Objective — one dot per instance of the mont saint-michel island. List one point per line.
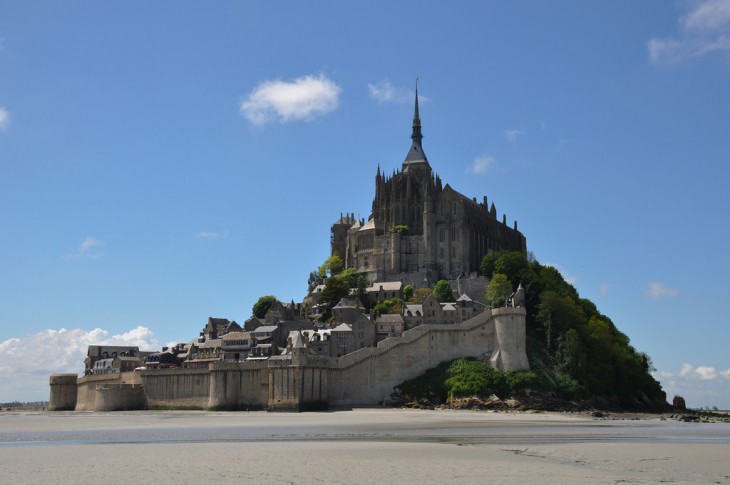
(434, 298)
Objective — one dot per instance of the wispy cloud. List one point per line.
(704, 30)
(25, 364)
(605, 289)
(4, 118)
(385, 92)
(211, 235)
(701, 385)
(512, 135)
(481, 164)
(659, 291)
(304, 98)
(88, 249)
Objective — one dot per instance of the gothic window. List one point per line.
(442, 234)
(441, 252)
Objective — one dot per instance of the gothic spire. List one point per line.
(415, 156)
(416, 135)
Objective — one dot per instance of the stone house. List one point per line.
(218, 327)
(116, 364)
(388, 325)
(204, 351)
(347, 310)
(97, 352)
(162, 360)
(265, 338)
(317, 340)
(433, 312)
(349, 337)
(384, 290)
(236, 346)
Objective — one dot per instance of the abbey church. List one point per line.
(419, 230)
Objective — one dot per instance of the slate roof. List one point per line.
(349, 303)
(390, 318)
(386, 286)
(237, 336)
(414, 310)
(210, 343)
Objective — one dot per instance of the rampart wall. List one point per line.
(110, 392)
(176, 388)
(367, 376)
(241, 386)
(301, 381)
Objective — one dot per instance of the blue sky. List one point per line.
(163, 162)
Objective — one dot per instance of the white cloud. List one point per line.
(88, 249)
(26, 363)
(4, 118)
(701, 386)
(481, 164)
(605, 289)
(211, 235)
(303, 98)
(512, 135)
(704, 30)
(701, 372)
(658, 291)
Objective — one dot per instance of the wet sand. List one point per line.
(360, 446)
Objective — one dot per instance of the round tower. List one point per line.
(63, 392)
(509, 330)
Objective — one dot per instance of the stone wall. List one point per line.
(367, 376)
(177, 388)
(86, 389)
(299, 383)
(239, 386)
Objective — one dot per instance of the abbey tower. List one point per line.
(420, 230)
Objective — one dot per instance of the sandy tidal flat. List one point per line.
(355, 447)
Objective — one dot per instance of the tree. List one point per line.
(350, 277)
(332, 266)
(511, 264)
(498, 290)
(488, 262)
(443, 292)
(262, 305)
(315, 279)
(420, 295)
(407, 292)
(334, 290)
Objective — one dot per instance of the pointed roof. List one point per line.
(415, 155)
